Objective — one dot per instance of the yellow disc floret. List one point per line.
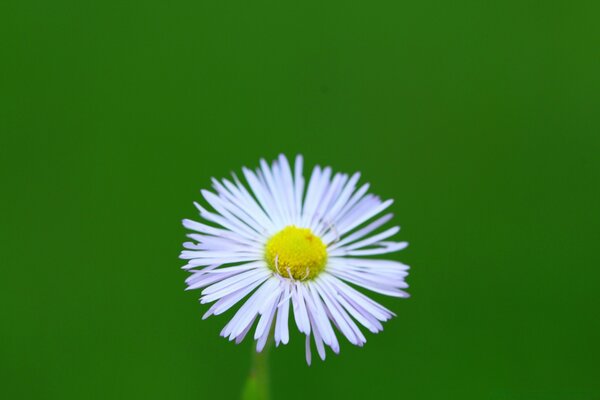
(296, 253)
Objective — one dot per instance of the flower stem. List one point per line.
(257, 384)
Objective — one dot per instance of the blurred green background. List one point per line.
(479, 118)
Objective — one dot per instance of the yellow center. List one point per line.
(296, 253)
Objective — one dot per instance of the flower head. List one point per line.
(276, 243)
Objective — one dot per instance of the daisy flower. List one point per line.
(275, 244)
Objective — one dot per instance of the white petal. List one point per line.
(207, 242)
(339, 316)
(371, 209)
(263, 196)
(355, 297)
(370, 284)
(318, 339)
(235, 280)
(264, 323)
(358, 313)
(228, 301)
(374, 264)
(311, 193)
(202, 279)
(286, 185)
(267, 174)
(199, 262)
(373, 240)
(233, 215)
(298, 188)
(300, 314)
(281, 324)
(350, 204)
(330, 194)
(238, 268)
(197, 254)
(229, 222)
(339, 202)
(362, 232)
(249, 202)
(246, 314)
(241, 336)
(203, 228)
(242, 204)
(307, 352)
(316, 309)
(386, 247)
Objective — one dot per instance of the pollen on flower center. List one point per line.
(296, 253)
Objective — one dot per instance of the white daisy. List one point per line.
(276, 243)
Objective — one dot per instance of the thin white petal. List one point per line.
(307, 351)
(316, 310)
(339, 316)
(370, 241)
(247, 312)
(281, 324)
(204, 279)
(298, 188)
(350, 204)
(264, 323)
(263, 196)
(318, 338)
(210, 230)
(358, 313)
(300, 314)
(229, 222)
(339, 202)
(240, 277)
(311, 193)
(364, 216)
(386, 247)
(377, 287)
(355, 297)
(241, 336)
(229, 211)
(250, 280)
(267, 175)
(330, 194)
(242, 205)
(228, 301)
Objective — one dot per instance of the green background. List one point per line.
(479, 119)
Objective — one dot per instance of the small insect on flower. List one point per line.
(275, 242)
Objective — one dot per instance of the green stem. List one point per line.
(257, 384)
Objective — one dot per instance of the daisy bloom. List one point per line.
(276, 242)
